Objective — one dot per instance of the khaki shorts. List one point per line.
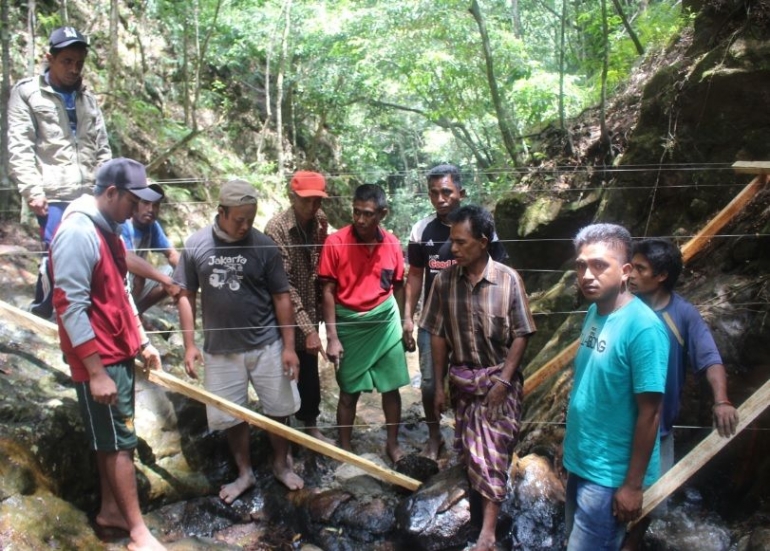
(228, 376)
(110, 428)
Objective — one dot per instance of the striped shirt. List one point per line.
(300, 250)
(478, 322)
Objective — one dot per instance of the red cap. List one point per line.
(308, 184)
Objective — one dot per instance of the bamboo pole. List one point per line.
(705, 450)
(168, 381)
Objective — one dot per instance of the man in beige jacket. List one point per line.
(57, 137)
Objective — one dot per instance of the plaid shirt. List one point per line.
(300, 251)
(478, 322)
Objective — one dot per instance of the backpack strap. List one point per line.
(671, 325)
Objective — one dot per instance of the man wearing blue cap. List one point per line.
(100, 334)
(56, 138)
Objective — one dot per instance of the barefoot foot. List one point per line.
(143, 540)
(395, 453)
(289, 478)
(232, 491)
(433, 448)
(318, 435)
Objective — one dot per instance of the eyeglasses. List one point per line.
(357, 213)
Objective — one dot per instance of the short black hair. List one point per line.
(439, 171)
(481, 221)
(664, 257)
(615, 236)
(371, 192)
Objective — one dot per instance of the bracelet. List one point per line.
(722, 403)
(144, 345)
(503, 382)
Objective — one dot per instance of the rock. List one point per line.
(682, 529)
(438, 515)
(759, 540)
(536, 504)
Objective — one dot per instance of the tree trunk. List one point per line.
(114, 60)
(505, 121)
(5, 89)
(200, 57)
(282, 64)
(604, 138)
(569, 147)
(31, 54)
(518, 28)
(185, 67)
(629, 29)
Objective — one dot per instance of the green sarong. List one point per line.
(374, 355)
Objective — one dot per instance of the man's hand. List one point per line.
(627, 503)
(103, 389)
(726, 419)
(151, 357)
(172, 289)
(290, 363)
(334, 351)
(494, 401)
(408, 336)
(39, 205)
(313, 345)
(191, 356)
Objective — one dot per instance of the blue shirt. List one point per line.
(697, 348)
(141, 240)
(621, 354)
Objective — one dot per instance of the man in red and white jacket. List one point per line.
(101, 334)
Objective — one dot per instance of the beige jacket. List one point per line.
(46, 160)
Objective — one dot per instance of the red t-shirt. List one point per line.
(364, 278)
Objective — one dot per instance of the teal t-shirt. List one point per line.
(620, 355)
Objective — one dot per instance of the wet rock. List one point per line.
(417, 466)
(536, 504)
(758, 540)
(438, 515)
(44, 521)
(682, 529)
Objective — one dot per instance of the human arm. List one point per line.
(22, 157)
(186, 307)
(140, 267)
(627, 501)
(334, 350)
(284, 312)
(411, 297)
(725, 415)
(172, 255)
(440, 354)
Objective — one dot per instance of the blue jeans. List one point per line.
(589, 521)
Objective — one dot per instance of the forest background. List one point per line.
(360, 90)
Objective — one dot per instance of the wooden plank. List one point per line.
(28, 321)
(705, 450)
(752, 167)
(554, 365)
(715, 225)
(168, 381)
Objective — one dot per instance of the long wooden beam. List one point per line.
(168, 381)
(689, 250)
(554, 365)
(705, 450)
(715, 225)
